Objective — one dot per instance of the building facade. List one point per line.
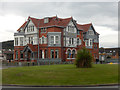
(109, 55)
(53, 39)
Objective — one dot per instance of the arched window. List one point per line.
(69, 53)
(73, 53)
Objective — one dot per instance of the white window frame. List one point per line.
(90, 42)
(54, 42)
(21, 41)
(57, 53)
(86, 42)
(16, 41)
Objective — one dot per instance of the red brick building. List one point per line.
(53, 39)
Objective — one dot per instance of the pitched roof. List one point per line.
(22, 26)
(53, 21)
(85, 27)
(33, 47)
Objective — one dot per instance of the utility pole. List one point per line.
(38, 44)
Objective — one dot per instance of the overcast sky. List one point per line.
(103, 15)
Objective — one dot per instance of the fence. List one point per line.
(33, 63)
(111, 60)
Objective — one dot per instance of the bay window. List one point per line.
(54, 39)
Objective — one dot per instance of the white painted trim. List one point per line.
(55, 39)
(75, 50)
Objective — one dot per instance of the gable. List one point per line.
(91, 28)
(29, 25)
(72, 26)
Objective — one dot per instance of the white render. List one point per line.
(26, 35)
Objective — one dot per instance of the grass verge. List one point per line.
(61, 75)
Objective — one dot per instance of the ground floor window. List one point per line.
(69, 53)
(16, 54)
(40, 53)
(21, 54)
(52, 53)
(73, 53)
(45, 53)
(32, 55)
(56, 53)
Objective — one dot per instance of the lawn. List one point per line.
(61, 75)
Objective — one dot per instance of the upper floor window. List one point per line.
(16, 41)
(54, 39)
(30, 40)
(91, 42)
(71, 41)
(46, 20)
(91, 32)
(30, 28)
(78, 41)
(71, 29)
(78, 32)
(43, 30)
(21, 41)
(43, 40)
(86, 43)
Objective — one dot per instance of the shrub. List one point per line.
(83, 59)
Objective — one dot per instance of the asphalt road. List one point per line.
(62, 87)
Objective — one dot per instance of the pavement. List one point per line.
(80, 86)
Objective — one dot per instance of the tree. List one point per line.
(83, 59)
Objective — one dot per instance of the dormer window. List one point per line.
(46, 20)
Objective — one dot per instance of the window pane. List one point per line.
(77, 41)
(57, 39)
(42, 40)
(56, 53)
(52, 53)
(21, 54)
(16, 54)
(69, 54)
(21, 41)
(52, 40)
(73, 54)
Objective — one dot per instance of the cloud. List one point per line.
(103, 15)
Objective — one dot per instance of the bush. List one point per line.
(83, 59)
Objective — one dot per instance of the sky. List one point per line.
(103, 16)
